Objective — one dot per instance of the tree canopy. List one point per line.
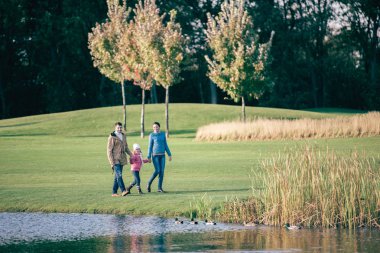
(324, 54)
(238, 61)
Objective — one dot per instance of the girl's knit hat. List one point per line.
(136, 146)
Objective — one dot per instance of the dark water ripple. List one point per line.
(27, 227)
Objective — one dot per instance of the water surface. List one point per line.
(40, 232)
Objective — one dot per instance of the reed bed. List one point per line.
(321, 189)
(235, 210)
(278, 129)
(314, 189)
(202, 208)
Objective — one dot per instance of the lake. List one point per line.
(56, 232)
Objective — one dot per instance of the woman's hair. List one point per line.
(156, 123)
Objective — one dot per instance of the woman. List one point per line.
(156, 152)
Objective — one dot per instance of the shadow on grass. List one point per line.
(335, 110)
(23, 135)
(207, 191)
(174, 134)
(185, 131)
(21, 124)
(89, 136)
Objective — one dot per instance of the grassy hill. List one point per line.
(57, 162)
(184, 119)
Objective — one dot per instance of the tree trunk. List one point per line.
(201, 92)
(199, 79)
(153, 94)
(101, 97)
(167, 111)
(213, 95)
(242, 109)
(373, 50)
(124, 107)
(3, 103)
(58, 99)
(314, 87)
(142, 113)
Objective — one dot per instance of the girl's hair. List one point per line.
(156, 123)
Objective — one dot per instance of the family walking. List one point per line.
(117, 150)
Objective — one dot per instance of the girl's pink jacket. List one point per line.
(137, 162)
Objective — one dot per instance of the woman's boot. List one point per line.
(139, 189)
(148, 187)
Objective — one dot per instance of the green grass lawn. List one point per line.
(57, 162)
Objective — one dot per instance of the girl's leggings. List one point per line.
(136, 181)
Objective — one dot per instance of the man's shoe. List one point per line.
(148, 188)
(161, 191)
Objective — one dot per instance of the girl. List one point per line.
(136, 163)
(156, 150)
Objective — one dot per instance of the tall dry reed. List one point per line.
(312, 188)
(274, 129)
(202, 208)
(235, 210)
(321, 189)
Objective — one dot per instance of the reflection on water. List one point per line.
(28, 227)
(23, 232)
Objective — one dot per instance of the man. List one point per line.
(116, 148)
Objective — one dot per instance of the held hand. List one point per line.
(113, 169)
(170, 158)
(149, 160)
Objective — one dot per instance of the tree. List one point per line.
(314, 17)
(238, 61)
(364, 24)
(193, 18)
(167, 59)
(142, 36)
(11, 38)
(103, 43)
